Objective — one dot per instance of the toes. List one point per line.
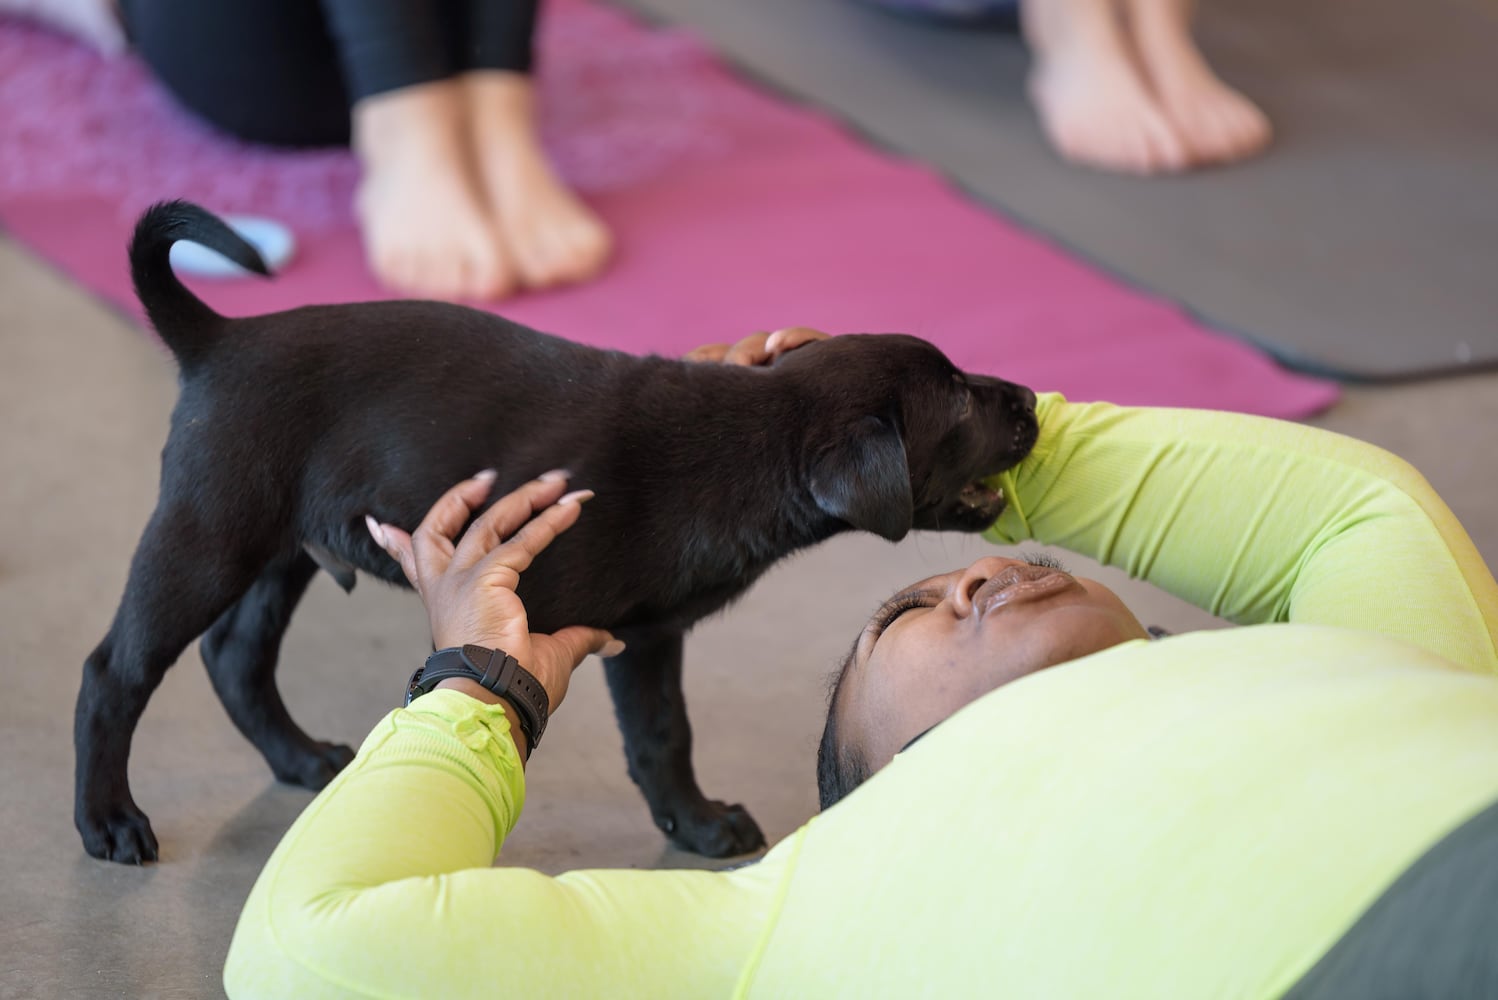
(389, 268)
(531, 254)
(564, 264)
(442, 273)
(1167, 151)
(493, 276)
(1253, 129)
(550, 257)
(1220, 125)
(431, 237)
(1107, 124)
(555, 239)
(590, 246)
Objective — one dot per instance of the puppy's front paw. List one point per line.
(714, 830)
(123, 835)
(315, 768)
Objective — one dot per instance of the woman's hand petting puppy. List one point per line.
(758, 348)
(468, 583)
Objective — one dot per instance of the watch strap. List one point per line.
(495, 670)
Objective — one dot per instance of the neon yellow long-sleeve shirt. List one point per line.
(1199, 816)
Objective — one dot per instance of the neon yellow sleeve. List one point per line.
(383, 888)
(1256, 520)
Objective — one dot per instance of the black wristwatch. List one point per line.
(494, 669)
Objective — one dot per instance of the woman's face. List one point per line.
(937, 645)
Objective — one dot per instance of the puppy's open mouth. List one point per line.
(981, 499)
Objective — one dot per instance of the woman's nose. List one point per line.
(970, 579)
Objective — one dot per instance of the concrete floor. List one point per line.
(84, 399)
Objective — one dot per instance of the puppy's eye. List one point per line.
(964, 397)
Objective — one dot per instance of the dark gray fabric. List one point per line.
(1432, 936)
(1364, 245)
(285, 72)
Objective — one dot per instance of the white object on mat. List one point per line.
(94, 22)
(274, 241)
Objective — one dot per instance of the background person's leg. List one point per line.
(263, 70)
(501, 34)
(985, 13)
(1094, 103)
(426, 229)
(384, 45)
(1217, 123)
(554, 238)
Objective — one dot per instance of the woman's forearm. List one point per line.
(1257, 520)
(358, 886)
(384, 887)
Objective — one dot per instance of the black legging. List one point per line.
(287, 72)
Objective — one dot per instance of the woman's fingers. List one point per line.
(397, 544)
(578, 642)
(790, 338)
(520, 549)
(436, 531)
(558, 655)
(706, 353)
(430, 551)
(432, 542)
(749, 351)
(758, 348)
(508, 515)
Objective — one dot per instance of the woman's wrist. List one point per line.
(478, 692)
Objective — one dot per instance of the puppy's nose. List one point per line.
(1024, 398)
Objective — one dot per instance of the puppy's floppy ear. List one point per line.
(864, 479)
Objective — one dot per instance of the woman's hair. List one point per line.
(839, 769)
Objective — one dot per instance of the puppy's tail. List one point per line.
(184, 322)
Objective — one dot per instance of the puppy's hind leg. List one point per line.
(181, 579)
(241, 652)
(645, 681)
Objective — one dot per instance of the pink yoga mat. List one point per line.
(733, 210)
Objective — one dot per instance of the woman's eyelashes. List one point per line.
(1043, 559)
(898, 605)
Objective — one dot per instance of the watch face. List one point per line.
(413, 686)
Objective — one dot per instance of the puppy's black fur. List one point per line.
(291, 427)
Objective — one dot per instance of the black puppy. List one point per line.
(291, 427)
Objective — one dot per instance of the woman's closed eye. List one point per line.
(896, 606)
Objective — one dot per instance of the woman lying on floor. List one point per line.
(1023, 794)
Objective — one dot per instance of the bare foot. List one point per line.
(555, 238)
(426, 230)
(1217, 123)
(1093, 103)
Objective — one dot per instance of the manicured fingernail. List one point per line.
(555, 476)
(487, 476)
(375, 531)
(576, 496)
(611, 648)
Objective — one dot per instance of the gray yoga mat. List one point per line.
(1364, 245)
